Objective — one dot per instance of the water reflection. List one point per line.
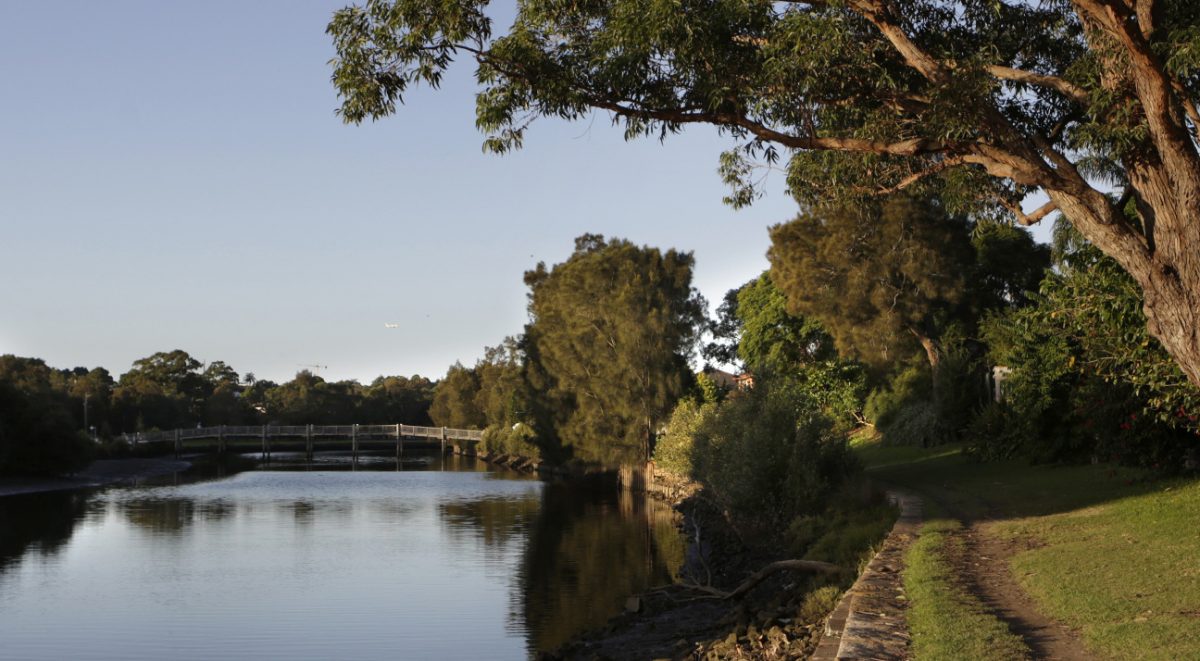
(589, 551)
(38, 524)
(325, 564)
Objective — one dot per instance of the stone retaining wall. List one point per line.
(869, 621)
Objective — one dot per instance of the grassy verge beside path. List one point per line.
(1110, 552)
(945, 621)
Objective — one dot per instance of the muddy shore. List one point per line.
(102, 472)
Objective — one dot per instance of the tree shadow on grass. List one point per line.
(960, 486)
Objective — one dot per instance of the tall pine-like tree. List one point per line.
(613, 327)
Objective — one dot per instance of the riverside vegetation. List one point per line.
(911, 135)
(778, 477)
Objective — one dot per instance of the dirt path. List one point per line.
(983, 566)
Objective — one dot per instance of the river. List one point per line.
(442, 559)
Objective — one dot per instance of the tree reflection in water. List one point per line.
(40, 522)
(588, 551)
(585, 552)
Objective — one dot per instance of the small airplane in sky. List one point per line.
(387, 325)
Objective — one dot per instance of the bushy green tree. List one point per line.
(454, 400)
(884, 280)
(768, 455)
(309, 399)
(86, 394)
(724, 331)
(397, 399)
(1009, 266)
(987, 102)
(165, 390)
(612, 327)
(676, 449)
(504, 394)
(772, 339)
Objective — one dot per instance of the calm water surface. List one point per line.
(440, 560)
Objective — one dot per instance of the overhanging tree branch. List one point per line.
(908, 147)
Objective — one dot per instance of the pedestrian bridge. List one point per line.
(268, 438)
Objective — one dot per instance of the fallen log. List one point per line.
(761, 575)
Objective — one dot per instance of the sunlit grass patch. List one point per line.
(945, 621)
(874, 454)
(1112, 552)
(1126, 574)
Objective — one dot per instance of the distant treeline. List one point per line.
(45, 411)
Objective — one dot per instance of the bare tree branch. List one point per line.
(915, 177)
(760, 575)
(1067, 89)
(1032, 218)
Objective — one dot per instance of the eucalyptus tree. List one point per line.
(613, 327)
(1087, 105)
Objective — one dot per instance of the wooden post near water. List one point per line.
(266, 445)
(178, 444)
(354, 442)
(308, 446)
(221, 439)
(443, 441)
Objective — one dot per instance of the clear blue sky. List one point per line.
(173, 176)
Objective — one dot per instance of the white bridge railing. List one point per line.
(353, 432)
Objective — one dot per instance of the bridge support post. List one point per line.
(266, 446)
(221, 439)
(354, 442)
(178, 445)
(308, 446)
(443, 441)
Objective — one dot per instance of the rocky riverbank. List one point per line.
(102, 472)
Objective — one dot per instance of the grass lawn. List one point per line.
(1115, 554)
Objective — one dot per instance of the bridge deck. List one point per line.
(309, 434)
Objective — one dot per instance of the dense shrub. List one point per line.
(38, 436)
(836, 386)
(910, 385)
(1087, 381)
(518, 439)
(910, 411)
(675, 451)
(766, 455)
(998, 432)
(963, 389)
(916, 425)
